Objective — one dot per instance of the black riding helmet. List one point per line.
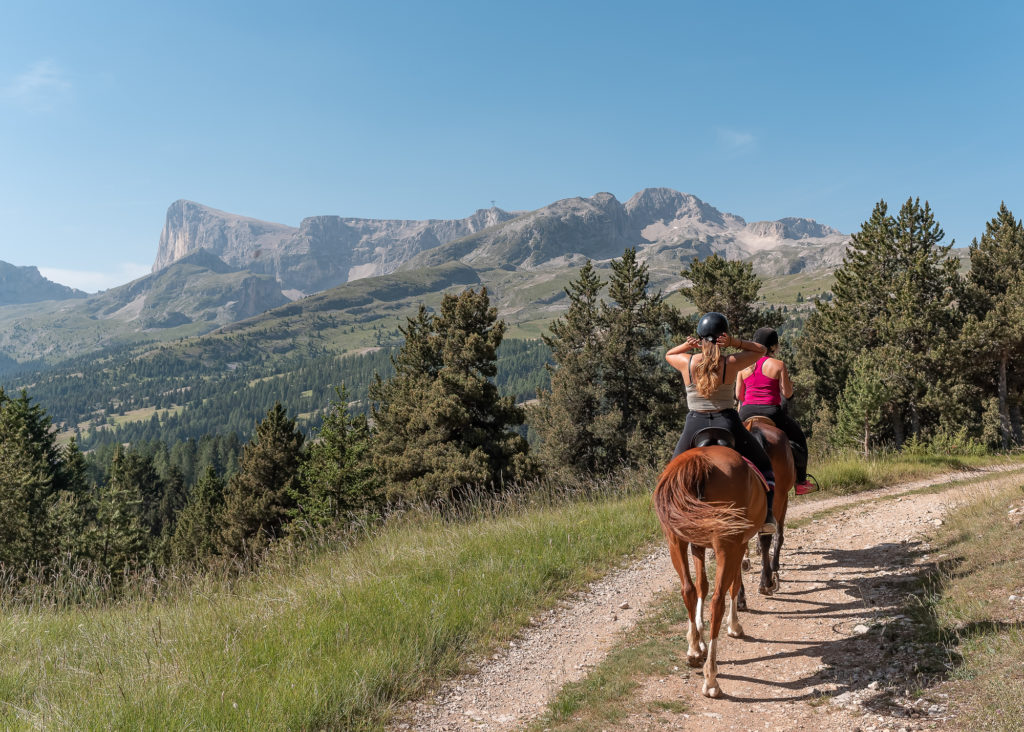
(767, 337)
(711, 326)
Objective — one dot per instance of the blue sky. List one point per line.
(111, 111)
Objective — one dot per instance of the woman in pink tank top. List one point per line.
(760, 389)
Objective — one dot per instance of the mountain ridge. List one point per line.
(21, 285)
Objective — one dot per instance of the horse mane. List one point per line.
(682, 513)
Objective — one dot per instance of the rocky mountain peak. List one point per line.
(666, 205)
(25, 284)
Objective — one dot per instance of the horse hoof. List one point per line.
(745, 564)
(741, 604)
(736, 632)
(767, 591)
(712, 690)
(694, 660)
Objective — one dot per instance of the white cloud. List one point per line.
(95, 281)
(735, 140)
(40, 88)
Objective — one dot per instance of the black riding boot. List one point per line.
(770, 526)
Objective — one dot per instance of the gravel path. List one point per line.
(842, 578)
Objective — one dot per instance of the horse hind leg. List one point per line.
(734, 628)
(745, 566)
(700, 576)
(728, 566)
(768, 586)
(695, 644)
(779, 537)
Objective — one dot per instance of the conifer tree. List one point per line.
(897, 287)
(995, 299)
(576, 425)
(729, 287)
(638, 383)
(441, 426)
(336, 477)
(861, 403)
(118, 537)
(196, 532)
(260, 496)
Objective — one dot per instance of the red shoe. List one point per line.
(802, 489)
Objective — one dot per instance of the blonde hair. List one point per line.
(706, 373)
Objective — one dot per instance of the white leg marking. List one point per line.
(711, 687)
(694, 643)
(700, 615)
(735, 630)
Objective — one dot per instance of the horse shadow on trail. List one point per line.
(904, 651)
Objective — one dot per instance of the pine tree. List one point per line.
(260, 496)
(336, 478)
(995, 298)
(33, 471)
(118, 536)
(862, 401)
(897, 287)
(441, 426)
(729, 287)
(577, 429)
(196, 532)
(639, 385)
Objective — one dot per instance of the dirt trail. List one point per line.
(832, 630)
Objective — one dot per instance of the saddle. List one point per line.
(721, 436)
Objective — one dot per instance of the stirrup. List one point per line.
(769, 527)
(810, 485)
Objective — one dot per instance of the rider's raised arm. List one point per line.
(784, 382)
(679, 356)
(750, 353)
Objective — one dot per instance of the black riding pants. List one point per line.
(728, 419)
(788, 425)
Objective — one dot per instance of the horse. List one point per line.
(709, 497)
(776, 444)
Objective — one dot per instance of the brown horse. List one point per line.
(776, 444)
(709, 497)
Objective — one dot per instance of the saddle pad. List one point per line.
(758, 473)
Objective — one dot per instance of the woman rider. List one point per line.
(760, 388)
(709, 377)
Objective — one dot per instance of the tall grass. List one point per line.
(331, 633)
(849, 472)
(332, 639)
(972, 609)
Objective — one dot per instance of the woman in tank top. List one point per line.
(709, 377)
(760, 389)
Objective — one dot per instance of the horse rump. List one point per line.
(679, 501)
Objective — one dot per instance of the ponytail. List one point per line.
(706, 373)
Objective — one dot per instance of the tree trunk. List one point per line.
(1005, 427)
(867, 436)
(915, 420)
(898, 432)
(1015, 423)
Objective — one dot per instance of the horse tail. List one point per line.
(685, 515)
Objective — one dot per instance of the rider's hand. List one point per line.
(724, 340)
(692, 342)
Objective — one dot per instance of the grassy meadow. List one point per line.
(973, 610)
(333, 634)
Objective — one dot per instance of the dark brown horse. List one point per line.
(776, 444)
(709, 497)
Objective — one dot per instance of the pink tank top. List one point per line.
(759, 388)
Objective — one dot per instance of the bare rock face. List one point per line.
(323, 252)
(20, 285)
(669, 228)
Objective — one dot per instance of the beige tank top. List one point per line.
(724, 397)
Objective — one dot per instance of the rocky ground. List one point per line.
(830, 651)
